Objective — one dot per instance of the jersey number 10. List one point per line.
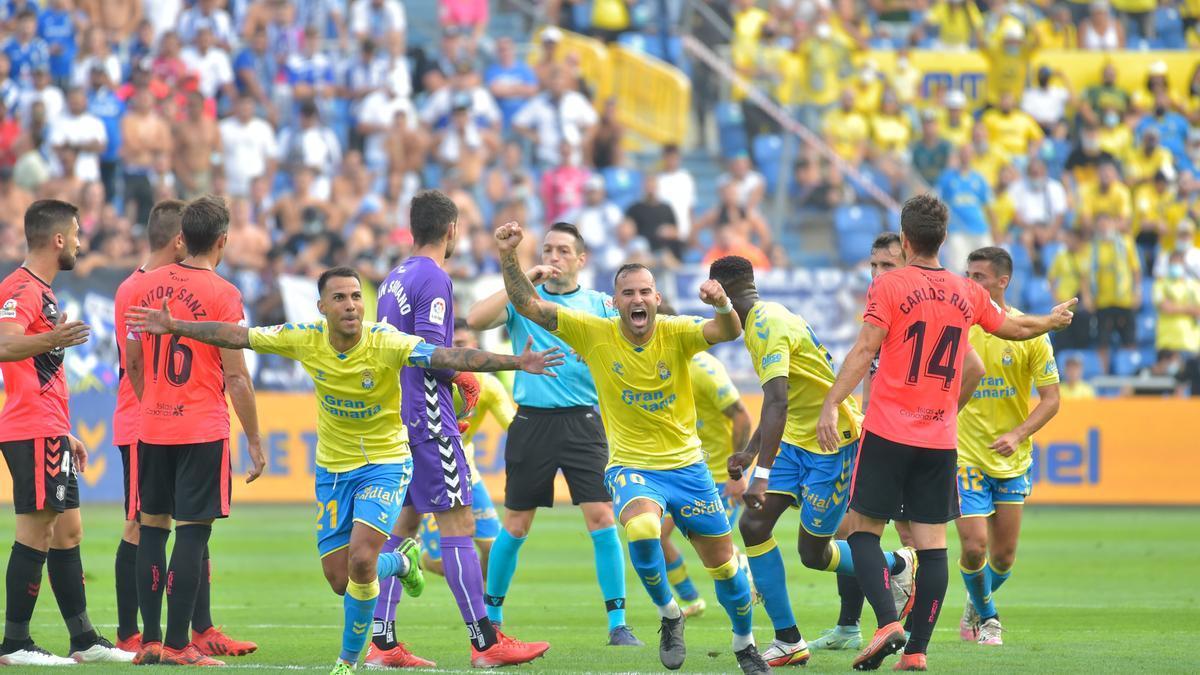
(942, 358)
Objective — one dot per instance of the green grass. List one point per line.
(1094, 590)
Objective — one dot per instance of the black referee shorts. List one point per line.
(894, 481)
(541, 441)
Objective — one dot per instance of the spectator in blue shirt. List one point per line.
(256, 70)
(104, 103)
(11, 9)
(10, 93)
(1172, 127)
(25, 49)
(967, 194)
(310, 73)
(512, 82)
(57, 27)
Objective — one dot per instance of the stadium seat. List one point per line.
(858, 218)
(1147, 325)
(1128, 362)
(1037, 297)
(624, 186)
(731, 130)
(1091, 361)
(767, 155)
(854, 246)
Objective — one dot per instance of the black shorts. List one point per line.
(903, 482)
(543, 440)
(43, 474)
(129, 469)
(1115, 321)
(191, 482)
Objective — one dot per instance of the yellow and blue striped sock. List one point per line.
(678, 576)
(733, 592)
(997, 577)
(841, 560)
(646, 556)
(980, 591)
(766, 564)
(358, 604)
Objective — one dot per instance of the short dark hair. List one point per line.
(430, 215)
(731, 269)
(45, 218)
(923, 221)
(885, 241)
(461, 324)
(626, 269)
(203, 221)
(164, 223)
(332, 272)
(568, 228)
(999, 258)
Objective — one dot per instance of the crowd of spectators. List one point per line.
(319, 119)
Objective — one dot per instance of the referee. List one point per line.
(556, 427)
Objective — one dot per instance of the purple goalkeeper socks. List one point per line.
(465, 578)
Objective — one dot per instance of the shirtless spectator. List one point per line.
(67, 186)
(248, 241)
(14, 200)
(117, 18)
(144, 136)
(197, 142)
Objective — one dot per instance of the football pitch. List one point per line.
(1094, 590)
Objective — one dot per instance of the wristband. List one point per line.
(762, 472)
(725, 308)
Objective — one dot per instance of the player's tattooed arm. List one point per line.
(159, 322)
(478, 361)
(517, 284)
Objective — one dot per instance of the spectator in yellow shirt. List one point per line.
(1008, 61)
(1083, 164)
(1115, 135)
(745, 47)
(953, 22)
(868, 89)
(1110, 198)
(847, 130)
(986, 159)
(1012, 131)
(1057, 31)
(1070, 277)
(1072, 386)
(891, 129)
(1157, 212)
(1147, 160)
(1117, 279)
(957, 126)
(1177, 299)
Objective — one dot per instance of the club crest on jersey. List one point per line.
(1007, 359)
(9, 310)
(368, 379)
(618, 368)
(663, 372)
(60, 493)
(437, 311)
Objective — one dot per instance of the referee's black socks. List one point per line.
(932, 576)
(873, 575)
(23, 581)
(187, 563)
(65, 569)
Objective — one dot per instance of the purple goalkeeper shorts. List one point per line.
(441, 478)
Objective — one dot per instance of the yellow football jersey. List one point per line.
(645, 392)
(493, 400)
(714, 392)
(1001, 402)
(358, 392)
(782, 344)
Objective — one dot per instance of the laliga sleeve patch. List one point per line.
(9, 309)
(437, 311)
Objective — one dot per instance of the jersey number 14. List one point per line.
(941, 360)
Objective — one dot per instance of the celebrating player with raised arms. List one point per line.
(640, 366)
(556, 428)
(995, 450)
(917, 318)
(363, 460)
(43, 456)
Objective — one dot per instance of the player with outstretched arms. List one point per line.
(918, 318)
(43, 456)
(363, 461)
(995, 450)
(640, 363)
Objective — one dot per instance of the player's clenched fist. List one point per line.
(711, 293)
(508, 237)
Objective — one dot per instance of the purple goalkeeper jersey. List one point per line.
(418, 298)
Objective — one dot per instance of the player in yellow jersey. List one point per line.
(640, 365)
(995, 449)
(493, 399)
(363, 460)
(722, 423)
(796, 371)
